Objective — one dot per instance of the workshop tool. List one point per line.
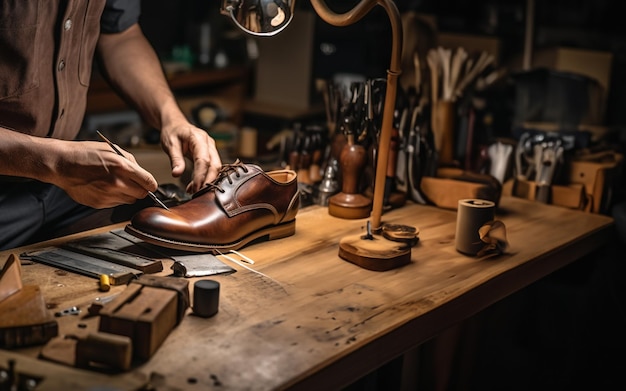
(25, 319)
(523, 147)
(304, 161)
(315, 170)
(416, 155)
(548, 156)
(113, 248)
(198, 265)
(185, 264)
(83, 264)
(68, 311)
(98, 304)
(349, 203)
(393, 197)
(329, 185)
(401, 175)
(499, 156)
(151, 194)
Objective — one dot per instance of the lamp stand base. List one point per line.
(374, 253)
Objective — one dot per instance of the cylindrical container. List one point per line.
(206, 298)
(471, 215)
(248, 142)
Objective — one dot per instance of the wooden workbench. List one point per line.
(314, 321)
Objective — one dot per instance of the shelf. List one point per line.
(101, 98)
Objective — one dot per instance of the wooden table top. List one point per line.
(309, 319)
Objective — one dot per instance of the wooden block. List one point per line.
(97, 351)
(61, 350)
(570, 196)
(10, 277)
(143, 313)
(178, 285)
(25, 320)
(108, 350)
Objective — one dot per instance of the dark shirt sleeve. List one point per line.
(118, 15)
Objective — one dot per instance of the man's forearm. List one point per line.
(132, 66)
(26, 156)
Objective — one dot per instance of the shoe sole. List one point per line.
(267, 233)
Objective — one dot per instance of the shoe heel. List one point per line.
(283, 230)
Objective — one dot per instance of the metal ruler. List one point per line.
(112, 248)
(82, 264)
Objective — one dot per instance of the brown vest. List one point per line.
(46, 53)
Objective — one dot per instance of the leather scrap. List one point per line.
(493, 234)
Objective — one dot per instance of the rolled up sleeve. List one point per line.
(118, 15)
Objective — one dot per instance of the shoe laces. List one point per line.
(224, 174)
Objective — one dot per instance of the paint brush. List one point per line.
(151, 194)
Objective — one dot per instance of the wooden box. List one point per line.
(599, 176)
(571, 196)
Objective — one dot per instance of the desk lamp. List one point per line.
(266, 18)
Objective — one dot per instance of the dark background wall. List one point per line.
(364, 47)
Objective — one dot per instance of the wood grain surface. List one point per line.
(309, 320)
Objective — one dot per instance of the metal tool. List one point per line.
(83, 264)
(99, 303)
(414, 165)
(185, 264)
(151, 194)
(499, 155)
(68, 311)
(520, 151)
(547, 157)
(198, 265)
(112, 248)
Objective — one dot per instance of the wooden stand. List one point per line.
(349, 203)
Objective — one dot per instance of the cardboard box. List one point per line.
(591, 63)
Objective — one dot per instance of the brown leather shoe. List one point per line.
(242, 204)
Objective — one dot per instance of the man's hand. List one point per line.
(185, 140)
(94, 175)
(131, 65)
(89, 171)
